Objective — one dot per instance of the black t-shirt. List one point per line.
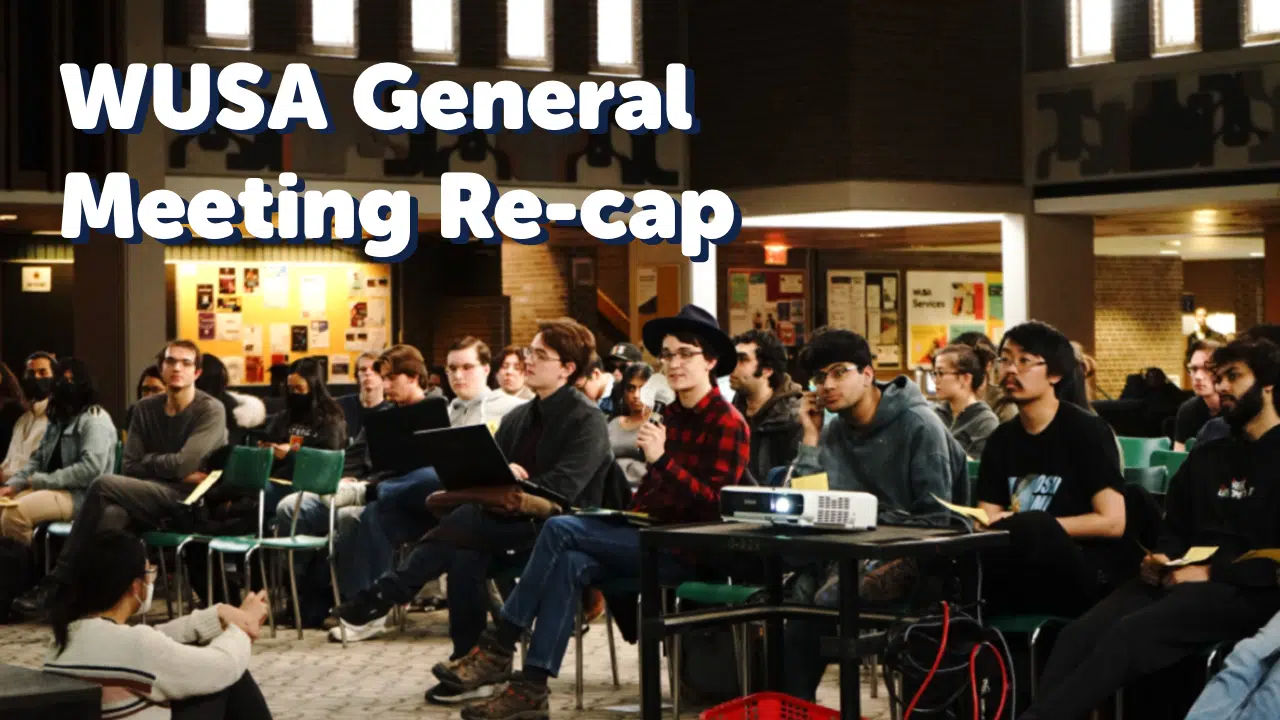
(1192, 415)
(1058, 471)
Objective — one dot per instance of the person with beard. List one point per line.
(1218, 426)
(769, 400)
(37, 383)
(311, 419)
(1052, 479)
(1226, 495)
(78, 447)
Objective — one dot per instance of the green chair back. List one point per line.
(1137, 451)
(1170, 460)
(1190, 443)
(1154, 479)
(248, 468)
(972, 467)
(317, 471)
(119, 463)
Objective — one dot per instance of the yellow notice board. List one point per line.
(943, 305)
(253, 315)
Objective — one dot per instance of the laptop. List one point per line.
(469, 457)
(389, 434)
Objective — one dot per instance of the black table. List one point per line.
(773, 543)
(26, 693)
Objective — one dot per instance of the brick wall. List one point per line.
(1232, 286)
(458, 317)
(536, 279)
(1138, 321)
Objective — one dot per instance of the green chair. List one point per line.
(314, 471)
(1155, 479)
(972, 477)
(1137, 451)
(249, 469)
(1171, 460)
(119, 458)
(1190, 443)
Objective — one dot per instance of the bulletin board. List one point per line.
(255, 315)
(943, 305)
(773, 300)
(867, 302)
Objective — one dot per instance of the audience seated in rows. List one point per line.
(78, 448)
(510, 375)
(960, 372)
(244, 412)
(311, 418)
(619, 357)
(28, 431)
(150, 383)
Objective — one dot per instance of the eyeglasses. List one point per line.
(684, 354)
(534, 355)
(176, 362)
(1020, 365)
(835, 372)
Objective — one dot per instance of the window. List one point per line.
(433, 30)
(1175, 26)
(527, 34)
(617, 37)
(1091, 39)
(1262, 21)
(332, 27)
(221, 23)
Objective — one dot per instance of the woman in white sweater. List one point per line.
(193, 667)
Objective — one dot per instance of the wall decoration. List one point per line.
(769, 299)
(866, 302)
(37, 278)
(944, 305)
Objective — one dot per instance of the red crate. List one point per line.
(769, 706)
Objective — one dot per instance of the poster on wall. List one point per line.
(312, 297)
(941, 306)
(229, 303)
(866, 302)
(769, 300)
(378, 287)
(339, 368)
(275, 286)
(228, 325)
(377, 312)
(359, 314)
(252, 335)
(250, 280)
(299, 338)
(227, 281)
(356, 341)
(204, 296)
(37, 278)
(235, 369)
(355, 283)
(279, 337)
(319, 339)
(208, 326)
(253, 370)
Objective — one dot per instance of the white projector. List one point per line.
(831, 509)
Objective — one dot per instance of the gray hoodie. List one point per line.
(904, 458)
(972, 428)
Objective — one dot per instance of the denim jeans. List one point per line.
(465, 546)
(1248, 687)
(313, 519)
(398, 515)
(572, 553)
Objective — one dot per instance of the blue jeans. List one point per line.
(572, 553)
(1248, 687)
(313, 519)
(398, 515)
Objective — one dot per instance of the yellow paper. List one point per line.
(281, 481)
(974, 513)
(493, 427)
(203, 488)
(810, 482)
(1193, 556)
(8, 502)
(1272, 554)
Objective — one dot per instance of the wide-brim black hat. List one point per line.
(694, 319)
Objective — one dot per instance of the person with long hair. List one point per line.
(196, 666)
(78, 447)
(11, 403)
(625, 429)
(37, 384)
(150, 384)
(311, 418)
(989, 390)
(510, 373)
(959, 370)
(244, 412)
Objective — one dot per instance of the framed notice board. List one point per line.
(867, 302)
(943, 305)
(773, 299)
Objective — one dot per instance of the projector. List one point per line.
(830, 509)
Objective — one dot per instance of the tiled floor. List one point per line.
(385, 678)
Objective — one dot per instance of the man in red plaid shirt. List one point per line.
(701, 445)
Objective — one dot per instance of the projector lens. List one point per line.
(782, 505)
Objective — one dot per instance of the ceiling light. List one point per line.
(1257, 254)
(1204, 216)
(48, 232)
(1175, 243)
(867, 219)
(4, 217)
(1168, 252)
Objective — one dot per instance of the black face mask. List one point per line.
(299, 405)
(1246, 408)
(36, 389)
(67, 398)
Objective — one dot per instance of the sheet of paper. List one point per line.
(975, 513)
(8, 502)
(202, 488)
(1194, 555)
(377, 312)
(889, 296)
(757, 294)
(791, 284)
(377, 339)
(312, 296)
(280, 337)
(810, 482)
(252, 335)
(1272, 554)
(339, 368)
(319, 335)
(235, 369)
(228, 326)
(275, 286)
(356, 340)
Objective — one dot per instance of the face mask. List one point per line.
(299, 404)
(144, 604)
(36, 389)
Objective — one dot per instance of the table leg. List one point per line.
(650, 636)
(773, 626)
(850, 664)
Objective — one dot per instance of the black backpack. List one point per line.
(17, 574)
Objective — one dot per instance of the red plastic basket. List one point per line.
(769, 706)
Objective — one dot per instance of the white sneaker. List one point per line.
(359, 633)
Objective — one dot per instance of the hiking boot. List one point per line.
(450, 694)
(35, 603)
(486, 664)
(520, 701)
(889, 582)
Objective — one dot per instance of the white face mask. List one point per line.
(144, 604)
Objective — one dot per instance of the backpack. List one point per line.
(17, 574)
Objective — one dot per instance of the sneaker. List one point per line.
(35, 603)
(520, 701)
(359, 633)
(365, 607)
(449, 694)
(428, 604)
(486, 664)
